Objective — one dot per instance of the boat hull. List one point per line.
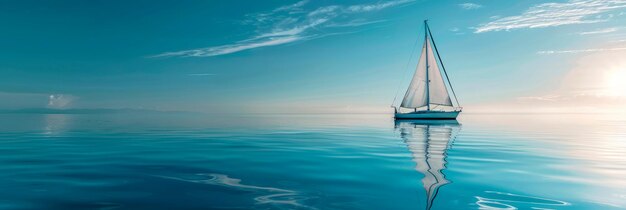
(436, 115)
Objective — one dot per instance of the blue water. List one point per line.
(191, 161)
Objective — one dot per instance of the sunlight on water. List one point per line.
(189, 161)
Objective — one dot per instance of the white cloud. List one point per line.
(324, 10)
(292, 31)
(555, 14)
(292, 23)
(60, 101)
(353, 23)
(581, 50)
(294, 6)
(600, 31)
(377, 6)
(470, 6)
(231, 48)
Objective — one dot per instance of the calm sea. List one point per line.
(195, 161)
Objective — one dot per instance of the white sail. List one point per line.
(438, 92)
(416, 95)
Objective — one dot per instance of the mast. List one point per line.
(427, 77)
(443, 67)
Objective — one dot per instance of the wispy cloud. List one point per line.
(354, 23)
(230, 48)
(291, 23)
(291, 7)
(470, 6)
(376, 7)
(556, 14)
(581, 50)
(600, 31)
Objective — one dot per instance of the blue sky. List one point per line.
(306, 56)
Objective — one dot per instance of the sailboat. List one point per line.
(429, 141)
(427, 96)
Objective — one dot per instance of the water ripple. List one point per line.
(502, 200)
(271, 195)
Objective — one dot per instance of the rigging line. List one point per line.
(443, 67)
(405, 71)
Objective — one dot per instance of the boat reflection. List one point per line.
(428, 142)
(55, 124)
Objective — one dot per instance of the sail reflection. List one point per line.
(428, 142)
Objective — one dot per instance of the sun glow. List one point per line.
(616, 83)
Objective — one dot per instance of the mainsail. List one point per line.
(420, 93)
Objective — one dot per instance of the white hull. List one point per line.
(428, 115)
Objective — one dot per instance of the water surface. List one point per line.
(191, 161)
